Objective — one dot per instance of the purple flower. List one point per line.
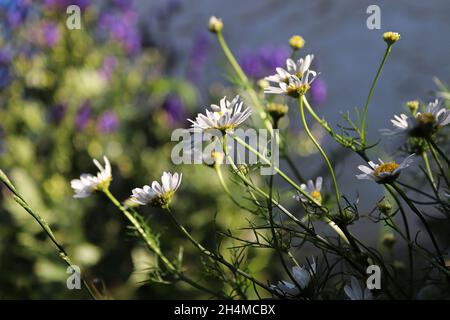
(122, 29)
(108, 67)
(57, 113)
(264, 61)
(108, 122)
(83, 116)
(199, 53)
(318, 91)
(5, 59)
(174, 108)
(50, 34)
(15, 11)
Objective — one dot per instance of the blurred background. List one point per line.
(133, 73)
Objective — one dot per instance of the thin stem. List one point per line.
(272, 229)
(408, 236)
(438, 162)
(428, 170)
(276, 203)
(280, 172)
(213, 255)
(330, 167)
(369, 97)
(44, 225)
(441, 153)
(423, 220)
(243, 78)
(154, 247)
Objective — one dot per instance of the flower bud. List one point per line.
(391, 37)
(296, 42)
(243, 169)
(277, 110)
(384, 206)
(262, 84)
(215, 25)
(413, 106)
(388, 240)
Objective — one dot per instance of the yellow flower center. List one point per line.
(316, 195)
(294, 90)
(426, 118)
(385, 167)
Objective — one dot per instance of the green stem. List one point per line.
(441, 153)
(213, 255)
(330, 167)
(243, 78)
(44, 225)
(438, 162)
(276, 203)
(277, 246)
(280, 172)
(369, 97)
(422, 219)
(154, 247)
(429, 172)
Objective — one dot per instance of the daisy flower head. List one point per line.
(294, 80)
(355, 292)
(224, 117)
(384, 172)
(302, 275)
(423, 124)
(401, 124)
(89, 183)
(391, 37)
(157, 195)
(294, 86)
(311, 188)
(434, 117)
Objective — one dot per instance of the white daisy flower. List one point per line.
(401, 124)
(158, 194)
(312, 189)
(292, 69)
(355, 292)
(384, 172)
(225, 117)
(294, 87)
(295, 80)
(88, 183)
(302, 276)
(435, 113)
(423, 124)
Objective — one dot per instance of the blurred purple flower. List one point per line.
(50, 34)
(108, 122)
(83, 116)
(122, 28)
(264, 61)
(5, 59)
(108, 67)
(198, 55)
(318, 91)
(174, 108)
(57, 113)
(15, 11)
(63, 4)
